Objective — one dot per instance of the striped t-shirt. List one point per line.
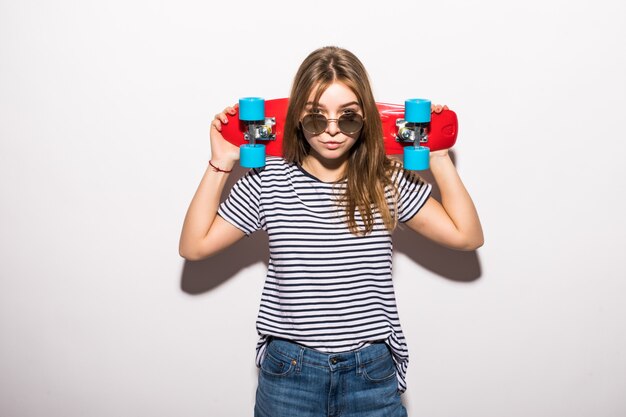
(326, 288)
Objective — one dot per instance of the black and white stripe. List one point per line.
(326, 288)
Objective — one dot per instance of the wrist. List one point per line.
(439, 162)
(442, 153)
(439, 157)
(221, 165)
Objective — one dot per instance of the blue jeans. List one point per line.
(296, 381)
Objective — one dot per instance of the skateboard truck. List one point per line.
(414, 129)
(252, 113)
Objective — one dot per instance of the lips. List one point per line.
(332, 145)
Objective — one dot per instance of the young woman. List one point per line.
(330, 337)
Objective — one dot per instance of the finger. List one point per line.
(445, 107)
(216, 124)
(222, 116)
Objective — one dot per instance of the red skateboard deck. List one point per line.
(442, 131)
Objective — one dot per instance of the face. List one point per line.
(333, 144)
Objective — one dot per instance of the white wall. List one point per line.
(104, 115)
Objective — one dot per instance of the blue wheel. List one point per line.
(252, 156)
(251, 109)
(417, 110)
(416, 159)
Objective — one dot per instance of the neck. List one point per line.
(324, 170)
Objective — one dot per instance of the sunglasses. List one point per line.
(316, 123)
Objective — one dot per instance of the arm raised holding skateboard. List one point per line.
(454, 222)
(204, 232)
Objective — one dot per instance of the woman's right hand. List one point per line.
(223, 153)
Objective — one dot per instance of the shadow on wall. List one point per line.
(461, 266)
(451, 264)
(202, 276)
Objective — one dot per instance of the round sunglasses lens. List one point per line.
(350, 123)
(314, 123)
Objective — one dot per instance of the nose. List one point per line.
(332, 127)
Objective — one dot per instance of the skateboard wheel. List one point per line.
(251, 109)
(416, 159)
(252, 156)
(417, 110)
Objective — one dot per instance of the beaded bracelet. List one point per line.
(216, 169)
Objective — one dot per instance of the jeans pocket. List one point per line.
(277, 365)
(379, 370)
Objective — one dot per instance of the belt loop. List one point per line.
(300, 356)
(357, 355)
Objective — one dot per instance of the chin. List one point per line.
(333, 155)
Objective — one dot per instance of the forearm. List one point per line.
(457, 202)
(202, 210)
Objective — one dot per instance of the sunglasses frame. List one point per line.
(337, 120)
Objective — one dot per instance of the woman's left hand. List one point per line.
(438, 108)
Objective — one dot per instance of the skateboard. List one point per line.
(410, 129)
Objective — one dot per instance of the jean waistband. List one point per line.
(303, 355)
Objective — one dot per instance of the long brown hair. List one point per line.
(368, 170)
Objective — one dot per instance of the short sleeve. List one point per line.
(413, 192)
(242, 208)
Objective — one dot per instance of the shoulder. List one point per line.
(275, 169)
(274, 166)
(402, 178)
(398, 174)
(275, 163)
